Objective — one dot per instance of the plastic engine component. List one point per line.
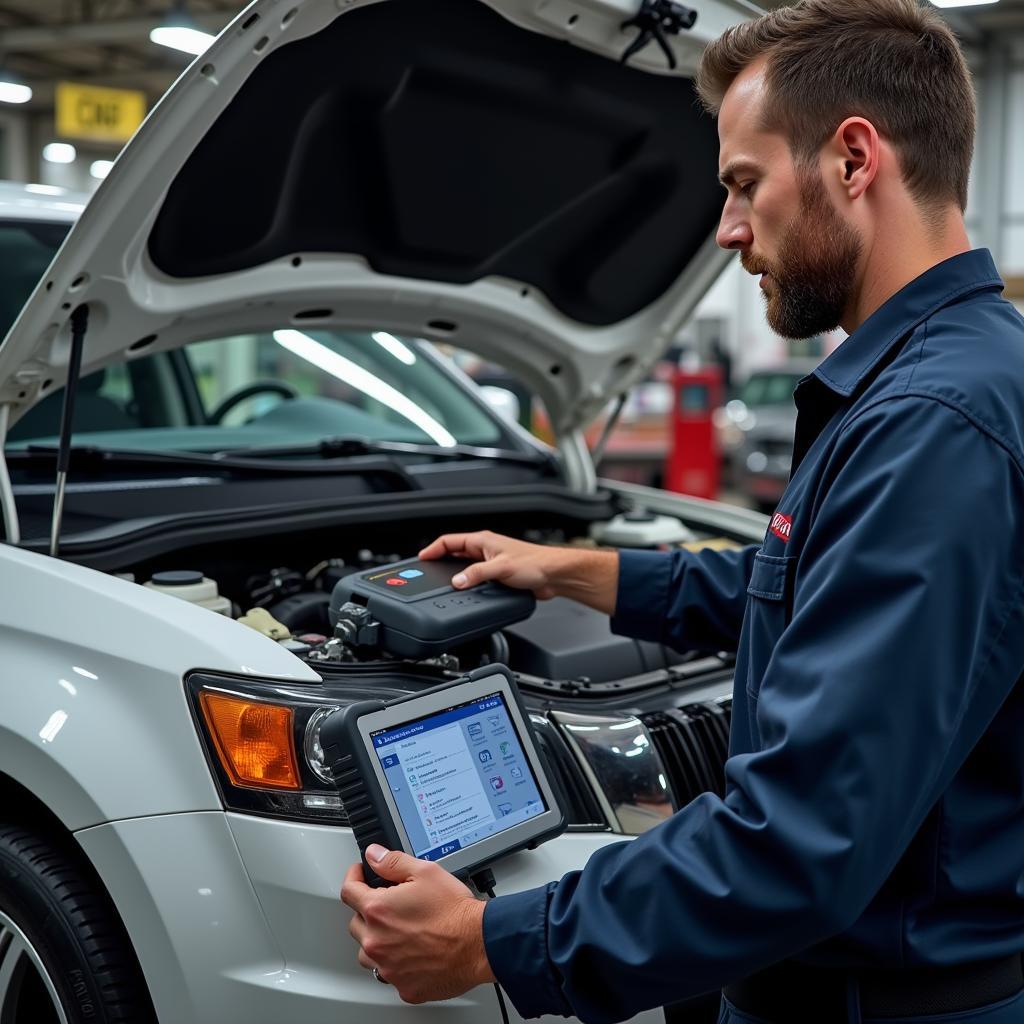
(566, 640)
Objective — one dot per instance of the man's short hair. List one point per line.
(891, 61)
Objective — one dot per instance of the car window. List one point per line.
(770, 388)
(26, 249)
(370, 382)
(274, 388)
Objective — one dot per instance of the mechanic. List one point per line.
(867, 861)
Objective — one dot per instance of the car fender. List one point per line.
(95, 720)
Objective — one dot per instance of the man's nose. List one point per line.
(734, 228)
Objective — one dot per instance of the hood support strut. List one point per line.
(79, 325)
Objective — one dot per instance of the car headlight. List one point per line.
(624, 768)
(261, 740)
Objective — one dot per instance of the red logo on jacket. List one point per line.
(782, 526)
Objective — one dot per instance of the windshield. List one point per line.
(26, 249)
(770, 388)
(279, 388)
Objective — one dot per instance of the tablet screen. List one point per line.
(458, 775)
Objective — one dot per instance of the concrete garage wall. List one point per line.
(996, 212)
(1013, 241)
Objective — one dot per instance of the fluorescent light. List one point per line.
(361, 379)
(398, 349)
(59, 153)
(962, 3)
(14, 92)
(179, 37)
(100, 168)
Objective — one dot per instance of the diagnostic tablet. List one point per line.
(450, 774)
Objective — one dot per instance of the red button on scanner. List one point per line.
(394, 581)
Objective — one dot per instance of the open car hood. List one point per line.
(486, 174)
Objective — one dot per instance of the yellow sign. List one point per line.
(97, 114)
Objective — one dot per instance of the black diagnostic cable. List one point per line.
(484, 882)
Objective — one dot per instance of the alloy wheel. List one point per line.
(27, 992)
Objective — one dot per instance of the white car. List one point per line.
(320, 202)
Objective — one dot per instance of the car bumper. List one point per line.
(236, 917)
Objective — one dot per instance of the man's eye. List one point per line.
(747, 189)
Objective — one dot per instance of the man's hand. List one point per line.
(424, 935)
(580, 573)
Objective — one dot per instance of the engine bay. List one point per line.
(629, 729)
(562, 647)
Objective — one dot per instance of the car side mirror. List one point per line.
(502, 401)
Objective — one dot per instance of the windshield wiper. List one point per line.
(342, 447)
(241, 462)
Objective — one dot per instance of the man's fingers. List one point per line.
(354, 890)
(480, 572)
(365, 961)
(448, 544)
(394, 865)
(357, 929)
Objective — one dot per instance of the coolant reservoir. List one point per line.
(193, 587)
(641, 529)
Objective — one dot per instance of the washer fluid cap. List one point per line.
(641, 530)
(191, 586)
(177, 578)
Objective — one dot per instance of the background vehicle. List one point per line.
(274, 419)
(755, 432)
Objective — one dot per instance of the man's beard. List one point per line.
(812, 279)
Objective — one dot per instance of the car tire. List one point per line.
(64, 953)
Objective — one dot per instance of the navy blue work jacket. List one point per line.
(874, 812)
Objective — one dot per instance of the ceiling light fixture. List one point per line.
(12, 88)
(948, 4)
(180, 32)
(59, 153)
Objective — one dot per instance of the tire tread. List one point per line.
(99, 933)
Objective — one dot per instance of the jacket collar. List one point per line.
(939, 286)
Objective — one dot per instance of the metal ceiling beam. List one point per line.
(26, 38)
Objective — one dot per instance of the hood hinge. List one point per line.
(576, 461)
(654, 19)
(12, 527)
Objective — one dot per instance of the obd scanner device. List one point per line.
(412, 610)
(450, 774)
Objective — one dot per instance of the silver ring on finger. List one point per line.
(376, 974)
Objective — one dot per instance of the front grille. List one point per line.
(693, 742)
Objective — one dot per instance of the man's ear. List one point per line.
(852, 155)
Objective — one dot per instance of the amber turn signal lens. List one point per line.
(255, 741)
